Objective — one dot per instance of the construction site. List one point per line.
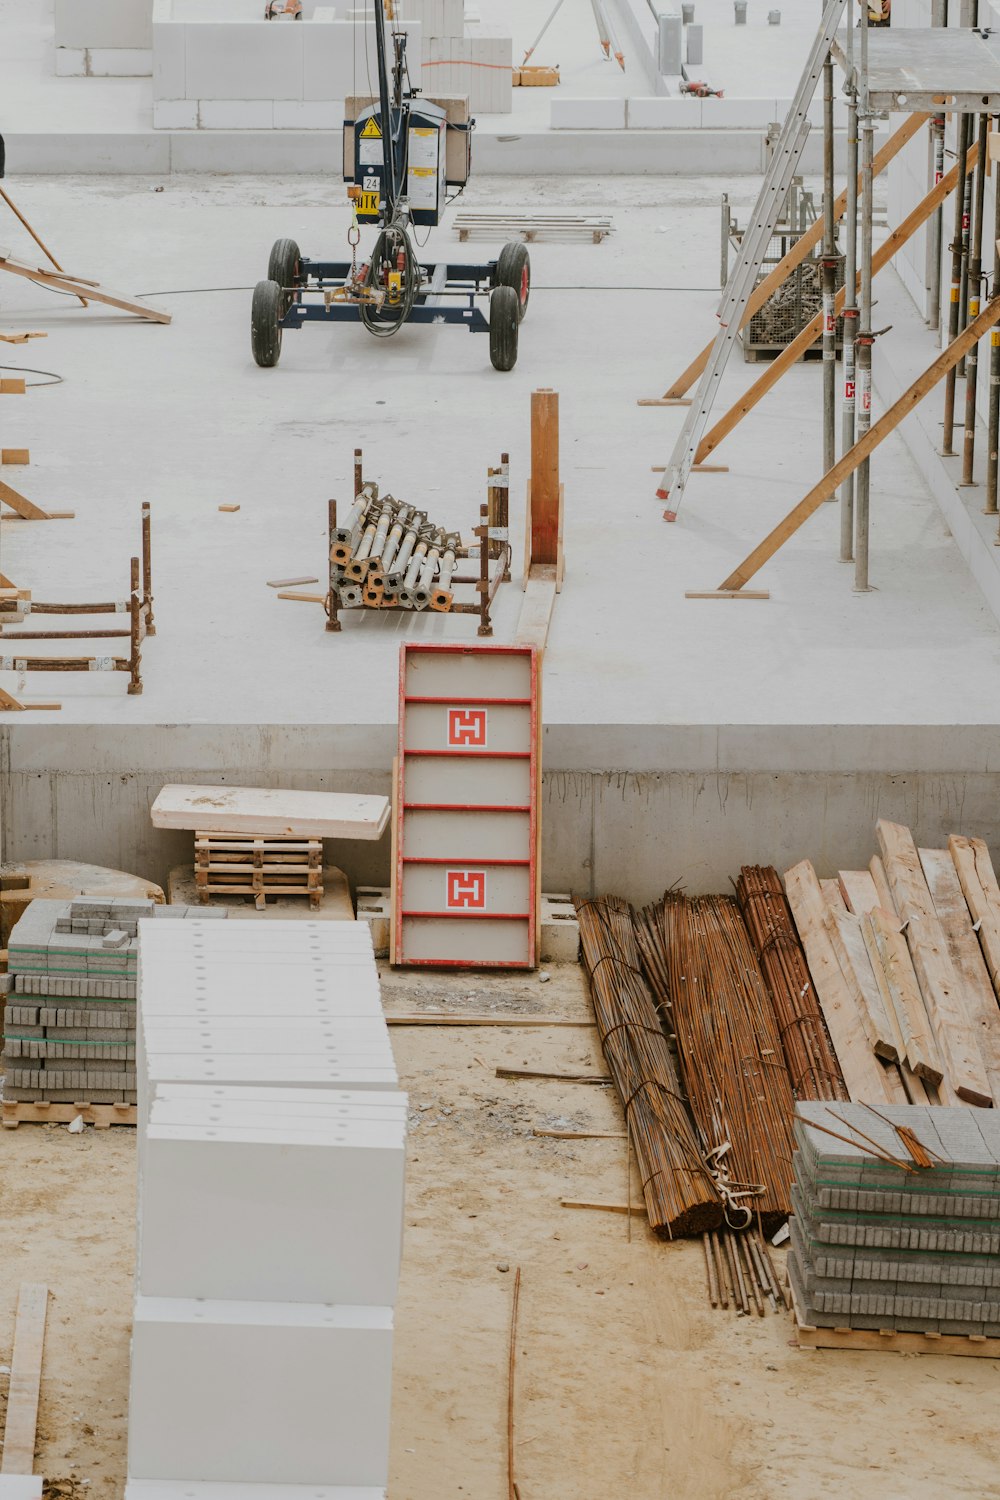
(499, 835)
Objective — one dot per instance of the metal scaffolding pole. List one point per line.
(829, 281)
(864, 339)
(975, 284)
(994, 391)
(964, 133)
(935, 233)
(850, 326)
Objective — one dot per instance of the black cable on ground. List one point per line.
(27, 370)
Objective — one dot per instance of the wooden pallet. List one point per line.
(14, 1112)
(885, 1340)
(533, 227)
(235, 864)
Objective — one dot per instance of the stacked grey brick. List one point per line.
(875, 1246)
(69, 1023)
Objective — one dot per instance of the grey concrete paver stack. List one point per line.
(875, 1246)
(69, 1021)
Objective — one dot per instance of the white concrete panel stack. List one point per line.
(269, 1217)
(479, 64)
(215, 71)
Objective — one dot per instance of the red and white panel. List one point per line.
(466, 814)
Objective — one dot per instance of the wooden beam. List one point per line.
(27, 510)
(424, 1018)
(794, 257)
(982, 893)
(80, 287)
(892, 967)
(859, 891)
(865, 1077)
(880, 881)
(25, 1380)
(853, 955)
(967, 956)
(544, 483)
(727, 594)
(813, 330)
(862, 449)
(939, 984)
(10, 704)
(14, 456)
(536, 609)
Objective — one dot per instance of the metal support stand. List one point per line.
(963, 280)
(864, 339)
(850, 329)
(830, 261)
(993, 458)
(936, 229)
(332, 616)
(954, 307)
(975, 283)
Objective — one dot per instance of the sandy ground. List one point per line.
(627, 1381)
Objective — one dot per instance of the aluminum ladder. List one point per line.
(767, 212)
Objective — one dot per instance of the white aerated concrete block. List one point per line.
(21, 1486)
(103, 23)
(186, 1489)
(289, 1210)
(339, 56)
(587, 114)
(664, 114)
(120, 62)
(307, 115)
(265, 1393)
(71, 62)
(169, 65)
(236, 114)
(255, 60)
(175, 114)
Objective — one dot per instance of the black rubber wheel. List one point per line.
(514, 269)
(504, 321)
(283, 267)
(266, 312)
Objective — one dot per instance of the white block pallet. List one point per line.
(260, 1392)
(331, 1191)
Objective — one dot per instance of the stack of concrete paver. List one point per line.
(874, 1246)
(270, 1214)
(69, 1021)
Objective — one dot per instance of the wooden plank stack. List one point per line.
(905, 960)
(241, 864)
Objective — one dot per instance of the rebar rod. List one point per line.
(993, 457)
(935, 232)
(864, 342)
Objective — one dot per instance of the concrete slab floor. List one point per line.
(182, 417)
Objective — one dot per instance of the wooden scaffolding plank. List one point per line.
(866, 445)
(982, 893)
(967, 956)
(263, 811)
(939, 984)
(879, 1026)
(62, 281)
(881, 883)
(813, 330)
(864, 1076)
(793, 258)
(25, 1380)
(893, 969)
(859, 891)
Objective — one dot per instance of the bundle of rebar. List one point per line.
(812, 1062)
(388, 555)
(741, 1273)
(732, 1063)
(680, 1195)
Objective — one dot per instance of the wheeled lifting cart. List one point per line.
(400, 160)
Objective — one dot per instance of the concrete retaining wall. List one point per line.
(86, 795)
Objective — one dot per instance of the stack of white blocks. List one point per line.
(460, 56)
(214, 70)
(271, 1179)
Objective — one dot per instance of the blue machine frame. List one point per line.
(449, 295)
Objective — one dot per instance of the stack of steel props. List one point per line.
(388, 555)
